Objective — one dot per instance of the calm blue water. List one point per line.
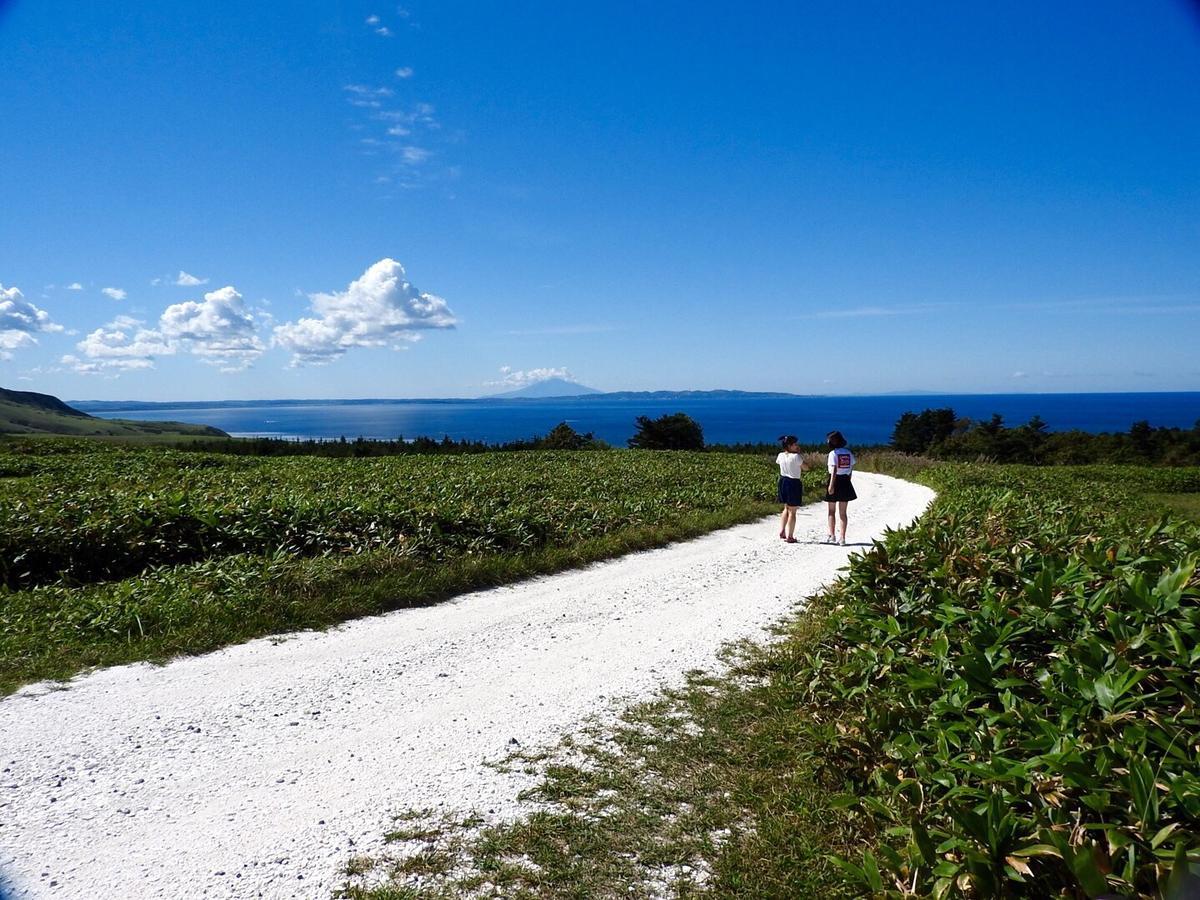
(864, 420)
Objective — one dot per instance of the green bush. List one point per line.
(1014, 682)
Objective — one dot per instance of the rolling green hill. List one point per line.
(27, 413)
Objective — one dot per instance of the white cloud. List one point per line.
(112, 367)
(186, 280)
(20, 320)
(404, 72)
(379, 309)
(74, 286)
(372, 20)
(518, 379)
(418, 114)
(414, 155)
(383, 31)
(220, 330)
(366, 96)
(122, 345)
(115, 293)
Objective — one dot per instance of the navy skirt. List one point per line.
(791, 491)
(843, 490)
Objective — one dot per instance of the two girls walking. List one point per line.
(839, 490)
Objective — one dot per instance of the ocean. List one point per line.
(725, 419)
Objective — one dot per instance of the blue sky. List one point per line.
(453, 198)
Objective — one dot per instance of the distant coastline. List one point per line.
(94, 406)
(726, 416)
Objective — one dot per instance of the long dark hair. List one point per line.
(835, 440)
(786, 440)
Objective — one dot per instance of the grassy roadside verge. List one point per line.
(111, 555)
(999, 702)
(194, 609)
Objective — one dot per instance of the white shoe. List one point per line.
(830, 539)
(843, 542)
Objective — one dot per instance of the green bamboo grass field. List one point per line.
(1001, 701)
(112, 554)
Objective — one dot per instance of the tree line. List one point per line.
(676, 431)
(940, 434)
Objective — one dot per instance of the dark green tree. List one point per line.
(920, 432)
(677, 431)
(563, 437)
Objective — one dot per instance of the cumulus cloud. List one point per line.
(220, 331)
(74, 286)
(372, 20)
(379, 309)
(124, 344)
(186, 280)
(404, 72)
(20, 320)
(517, 378)
(115, 293)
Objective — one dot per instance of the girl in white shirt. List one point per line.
(791, 489)
(840, 491)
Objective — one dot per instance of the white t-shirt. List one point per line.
(789, 463)
(841, 461)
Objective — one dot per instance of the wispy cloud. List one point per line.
(404, 72)
(20, 320)
(365, 96)
(1149, 304)
(74, 286)
(378, 309)
(114, 293)
(864, 312)
(562, 329)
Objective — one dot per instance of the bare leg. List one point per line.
(832, 513)
(791, 522)
(842, 516)
(783, 520)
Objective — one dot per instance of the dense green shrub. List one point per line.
(1014, 685)
(677, 431)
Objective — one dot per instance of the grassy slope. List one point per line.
(866, 734)
(26, 413)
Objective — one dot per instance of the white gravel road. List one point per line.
(257, 771)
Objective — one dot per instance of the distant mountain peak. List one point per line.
(550, 387)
